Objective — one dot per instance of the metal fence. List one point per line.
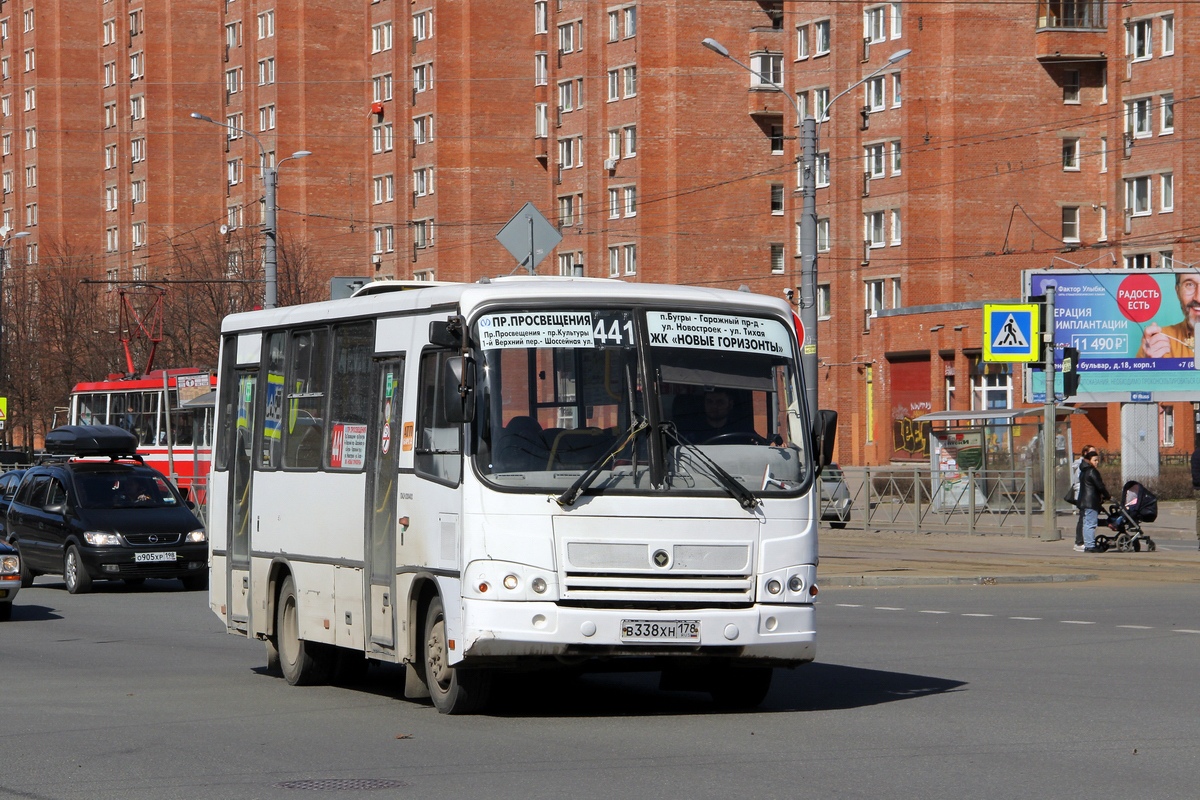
(914, 498)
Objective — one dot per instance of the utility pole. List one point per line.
(1049, 427)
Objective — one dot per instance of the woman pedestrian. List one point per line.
(1076, 467)
(1092, 495)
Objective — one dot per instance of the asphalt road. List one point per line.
(1082, 690)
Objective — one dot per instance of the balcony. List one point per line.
(1070, 29)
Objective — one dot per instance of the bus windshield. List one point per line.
(649, 401)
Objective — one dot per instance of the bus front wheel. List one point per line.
(303, 663)
(454, 690)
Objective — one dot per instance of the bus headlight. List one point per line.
(793, 584)
(505, 580)
(538, 585)
(510, 582)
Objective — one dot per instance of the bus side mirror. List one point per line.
(824, 437)
(458, 389)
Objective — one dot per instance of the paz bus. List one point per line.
(514, 474)
(169, 411)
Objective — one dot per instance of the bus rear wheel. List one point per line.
(454, 690)
(303, 663)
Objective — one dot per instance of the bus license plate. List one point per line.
(671, 630)
(141, 558)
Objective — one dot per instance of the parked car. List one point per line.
(835, 497)
(9, 482)
(10, 579)
(96, 512)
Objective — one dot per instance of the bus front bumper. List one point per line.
(768, 633)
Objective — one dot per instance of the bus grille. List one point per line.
(655, 589)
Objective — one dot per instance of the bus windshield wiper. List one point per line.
(744, 496)
(581, 484)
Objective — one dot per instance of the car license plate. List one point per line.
(142, 558)
(669, 630)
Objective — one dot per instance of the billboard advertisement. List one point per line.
(1134, 329)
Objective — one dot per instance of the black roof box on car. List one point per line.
(91, 440)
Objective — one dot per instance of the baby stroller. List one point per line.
(1136, 505)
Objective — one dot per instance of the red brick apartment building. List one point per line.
(1009, 139)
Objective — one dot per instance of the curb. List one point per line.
(843, 581)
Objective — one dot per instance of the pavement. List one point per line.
(852, 557)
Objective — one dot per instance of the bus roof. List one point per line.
(466, 297)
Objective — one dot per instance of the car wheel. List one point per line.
(5, 612)
(195, 583)
(75, 573)
(454, 690)
(27, 575)
(303, 663)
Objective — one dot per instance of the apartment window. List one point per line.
(630, 140)
(233, 171)
(6, 106)
(897, 28)
(1070, 155)
(897, 93)
(896, 229)
(614, 262)
(4, 72)
(874, 29)
(1070, 224)
(30, 99)
(541, 120)
(1137, 117)
(266, 72)
(775, 137)
(384, 189)
(137, 150)
(614, 85)
(110, 154)
(801, 42)
(614, 144)
(821, 176)
(1167, 193)
(385, 239)
(877, 93)
(381, 37)
(423, 181)
(1138, 39)
(614, 203)
(776, 259)
(875, 160)
(233, 123)
(539, 16)
(233, 80)
(1071, 86)
(31, 176)
(30, 60)
(566, 95)
(874, 296)
(138, 191)
(137, 107)
(566, 153)
(381, 138)
(1139, 261)
(4, 30)
(7, 181)
(767, 70)
(1168, 35)
(895, 158)
(110, 198)
(821, 104)
(1168, 113)
(110, 73)
(629, 80)
(31, 138)
(630, 17)
(112, 240)
(138, 234)
(266, 24)
(423, 129)
(630, 193)
(1137, 196)
(6, 144)
(421, 74)
(135, 22)
(540, 70)
(1168, 425)
(567, 262)
(381, 87)
(266, 118)
(28, 18)
(1104, 154)
(233, 217)
(233, 34)
(823, 235)
(1102, 235)
(629, 251)
(31, 215)
(137, 66)
(566, 38)
(873, 230)
(614, 25)
(422, 25)
(777, 199)
(824, 301)
(566, 210)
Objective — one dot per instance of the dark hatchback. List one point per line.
(105, 519)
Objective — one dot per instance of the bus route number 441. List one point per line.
(681, 630)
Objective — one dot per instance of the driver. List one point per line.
(719, 418)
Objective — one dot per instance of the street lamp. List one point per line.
(270, 230)
(808, 212)
(3, 302)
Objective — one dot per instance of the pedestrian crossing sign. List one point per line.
(1011, 332)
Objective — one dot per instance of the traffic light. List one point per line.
(1070, 371)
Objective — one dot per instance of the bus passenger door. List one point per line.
(239, 500)
(382, 470)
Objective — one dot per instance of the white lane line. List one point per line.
(1137, 627)
(849, 605)
(1075, 622)
(1184, 630)
(1028, 619)
(978, 615)
(887, 608)
(934, 612)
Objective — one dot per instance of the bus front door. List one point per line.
(382, 524)
(239, 502)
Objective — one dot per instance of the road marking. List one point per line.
(1030, 619)
(1184, 630)
(887, 608)
(1137, 627)
(934, 612)
(849, 605)
(978, 615)
(1075, 622)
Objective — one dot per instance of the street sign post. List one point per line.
(1011, 332)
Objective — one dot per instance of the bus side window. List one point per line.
(439, 443)
(304, 410)
(351, 393)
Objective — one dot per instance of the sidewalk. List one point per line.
(888, 558)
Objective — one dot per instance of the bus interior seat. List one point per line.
(521, 445)
(577, 447)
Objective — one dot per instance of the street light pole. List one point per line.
(808, 213)
(270, 213)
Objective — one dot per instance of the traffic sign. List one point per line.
(1011, 332)
(529, 236)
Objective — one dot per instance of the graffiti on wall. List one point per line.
(909, 395)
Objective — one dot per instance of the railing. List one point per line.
(1071, 14)
(895, 498)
